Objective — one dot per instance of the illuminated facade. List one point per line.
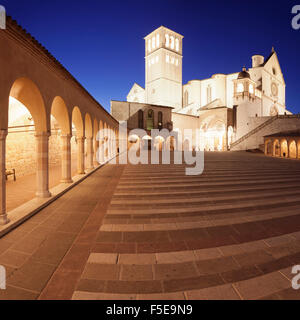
(224, 107)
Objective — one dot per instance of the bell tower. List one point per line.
(163, 49)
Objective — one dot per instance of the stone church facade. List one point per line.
(224, 108)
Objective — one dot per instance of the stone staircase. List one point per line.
(231, 233)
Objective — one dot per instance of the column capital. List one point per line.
(43, 134)
(3, 134)
(66, 136)
(80, 138)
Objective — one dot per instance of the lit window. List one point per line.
(152, 61)
(157, 40)
(177, 44)
(149, 63)
(149, 45)
(240, 87)
(172, 42)
(167, 40)
(167, 58)
(156, 59)
(172, 60)
(153, 43)
(251, 89)
(176, 62)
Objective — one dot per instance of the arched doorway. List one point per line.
(269, 148)
(293, 150)
(26, 144)
(284, 148)
(60, 143)
(276, 148)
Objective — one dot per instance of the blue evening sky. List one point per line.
(101, 42)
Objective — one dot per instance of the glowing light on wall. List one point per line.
(177, 44)
(240, 88)
(172, 42)
(157, 40)
(167, 40)
(251, 88)
(18, 114)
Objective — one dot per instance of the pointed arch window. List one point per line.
(160, 120)
(177, 45)
(172, 42)
(157, 40)
(141, 119)
(167, 40)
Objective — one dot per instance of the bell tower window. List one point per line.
(167, 40)
(177, 45)
(172, 42)
(240, 88)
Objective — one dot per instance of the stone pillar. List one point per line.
(90, 153)
(101, 150)
(42, 165)
(288, 149)
(66, 176)
(96, 149)
(80, 156)
(3, 214)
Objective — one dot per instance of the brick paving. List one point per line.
(151, 232)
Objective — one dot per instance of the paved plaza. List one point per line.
(151, 232)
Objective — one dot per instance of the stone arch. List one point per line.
(88, 126)
(216, 135)
(78, 122)
(276, 148)
(25, 91)
(292, 149)
(269, 147)
(60, 113)
(60, 140)
(284, 148)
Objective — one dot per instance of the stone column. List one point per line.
(96, 149)
(101, 143)
(3, 215)
(90, 153)
(80, 156)
(42, 165)
(66, 176)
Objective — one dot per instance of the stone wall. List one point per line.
(283, 123)
(21, 152)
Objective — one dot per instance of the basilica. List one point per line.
(231, 111)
